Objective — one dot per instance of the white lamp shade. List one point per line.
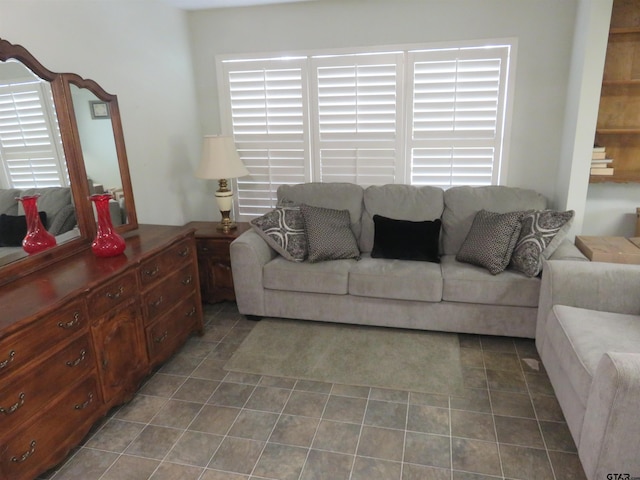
(220, 159)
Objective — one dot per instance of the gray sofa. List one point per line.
(57, 202)
(588, 337)
(447, 296)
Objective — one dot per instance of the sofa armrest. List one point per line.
(606, 287)
(567, 250)
(611, 428)
(249, 253)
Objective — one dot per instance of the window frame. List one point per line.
(404, 111)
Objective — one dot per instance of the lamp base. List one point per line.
(226, 224)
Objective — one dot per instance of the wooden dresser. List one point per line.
(79, 336)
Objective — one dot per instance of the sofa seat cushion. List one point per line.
(397, 279)
(467, 283)
(323, 277)
(579, 338)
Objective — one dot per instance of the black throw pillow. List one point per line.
(13, 229)
(406, 240)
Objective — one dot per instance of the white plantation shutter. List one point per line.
(267, 101)
(30, 148)
(457, 116)
(357, 108)
(424, 117)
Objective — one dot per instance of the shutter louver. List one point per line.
(423, 117)
(268, 112)
(457, 116)
(29, 147)
(357, 108)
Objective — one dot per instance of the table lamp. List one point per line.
(220, 161)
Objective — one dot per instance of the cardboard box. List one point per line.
(609, 249)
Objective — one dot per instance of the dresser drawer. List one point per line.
(163, 296)
(165, 263)
(170, 331)
(26, 393)
(112, 294)
(51, 434)
(21, 348)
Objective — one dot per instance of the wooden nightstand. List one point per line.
(214, 261)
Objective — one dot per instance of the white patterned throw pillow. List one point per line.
(283, 230)
(329, 234)
(491, 240)
(541, 233)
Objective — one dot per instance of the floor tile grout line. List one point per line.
(199, 411)
(324, 409)
(544, 441)
(266, 442)
(362, 420)
(493, 416)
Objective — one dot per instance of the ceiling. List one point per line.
(204, 4)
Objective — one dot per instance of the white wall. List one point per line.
(138, 50)
(544, 30)
(583, 98)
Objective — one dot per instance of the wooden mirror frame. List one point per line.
(61, 90)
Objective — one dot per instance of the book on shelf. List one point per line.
(599, 155)
(602, 171)
(601, 163)
(598, 148)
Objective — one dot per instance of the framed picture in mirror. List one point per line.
(99, 110)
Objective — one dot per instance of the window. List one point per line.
(415, 116)
(30, 149)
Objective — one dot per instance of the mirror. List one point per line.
(75, 145)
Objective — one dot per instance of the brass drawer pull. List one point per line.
(162, 338)
(152, 273)
(191, 312)
(157, 303)
(26, 454)
(184, 252)
(6, 362)
(77, 361)
(72, 323)
(118, 294)
(187, 281)
(85, 404)
(14, 407)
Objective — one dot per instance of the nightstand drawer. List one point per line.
(217, 249)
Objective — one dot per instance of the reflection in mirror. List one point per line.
(99, 149)
(32, 159)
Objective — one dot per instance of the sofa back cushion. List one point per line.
(8, 202)
(52, 200)
(461, 204)
(400, 202)
(336, 196)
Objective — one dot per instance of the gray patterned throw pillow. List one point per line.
(540, 229)
(283, 230)
(329, 234)
(491, 240)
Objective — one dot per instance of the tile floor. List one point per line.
(192, 420)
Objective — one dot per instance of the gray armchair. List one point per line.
(588, 337)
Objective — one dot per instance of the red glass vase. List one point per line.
(37, 238)
(107, 242)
